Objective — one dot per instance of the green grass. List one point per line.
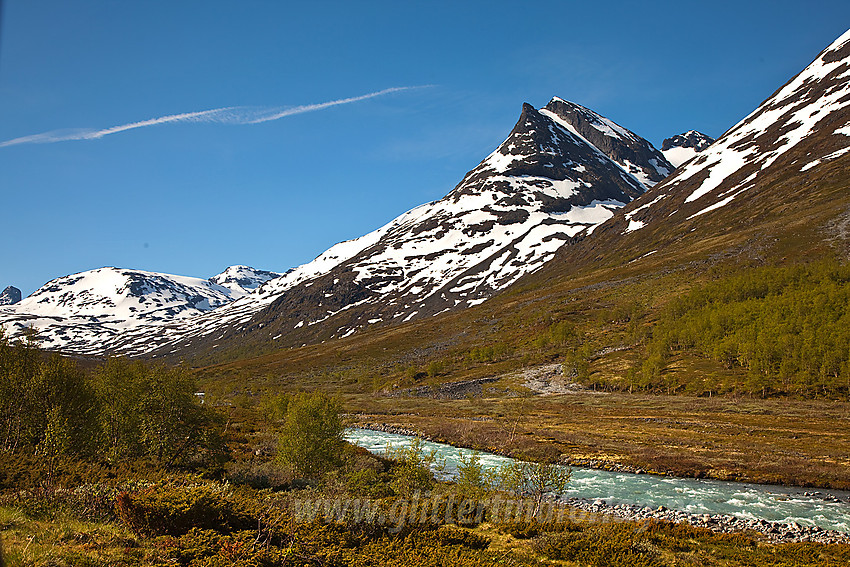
(67, 541)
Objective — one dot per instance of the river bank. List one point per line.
(588, 463)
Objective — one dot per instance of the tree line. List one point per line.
(123, 409)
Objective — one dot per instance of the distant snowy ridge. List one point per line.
(242, 280)
(75, 312)
(682, 147)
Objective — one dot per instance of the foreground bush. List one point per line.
(175, 509)
(311, 437)
(52, 408)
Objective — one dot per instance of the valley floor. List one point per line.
(773, 441)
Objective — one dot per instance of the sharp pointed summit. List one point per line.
(631, 152)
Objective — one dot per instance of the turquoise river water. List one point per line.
(828, 509)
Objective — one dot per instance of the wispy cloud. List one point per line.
(227, 115)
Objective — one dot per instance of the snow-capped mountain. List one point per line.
(75, 312)
(242, 280)
(10, 296)
(802, 127)
(562, 170)
(682, 147)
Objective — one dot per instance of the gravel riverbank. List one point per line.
(777, 532)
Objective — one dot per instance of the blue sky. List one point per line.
(193, 196)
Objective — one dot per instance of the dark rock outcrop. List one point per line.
(10, 296)
(690, 139)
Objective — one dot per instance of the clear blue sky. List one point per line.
(192, 197)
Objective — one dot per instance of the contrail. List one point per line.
(90, 134)
(226, 115)
(278, 114)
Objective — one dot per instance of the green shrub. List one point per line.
(533, 528)
(259, 474)
(535, 478)
(274, 407)
(488, 353)
(311, 437)
(449, 535)
(473, 479)
(600, 546)
(174, 509)
(411, 472)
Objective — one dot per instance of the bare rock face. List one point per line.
(10, 296)
(682, 147)
(631, 152)
(690, 139)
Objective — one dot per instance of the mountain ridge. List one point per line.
(543, 185)
(801, 126)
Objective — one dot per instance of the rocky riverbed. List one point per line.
(777, 532)
(448, 391)
(394, 429)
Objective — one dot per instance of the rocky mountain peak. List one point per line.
(631, 152)
(241, 280)
(689, 139)
(10, 296)
(682, 147)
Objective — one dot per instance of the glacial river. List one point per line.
(828, 509)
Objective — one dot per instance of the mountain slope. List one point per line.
(802, 126)
(561, 172)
